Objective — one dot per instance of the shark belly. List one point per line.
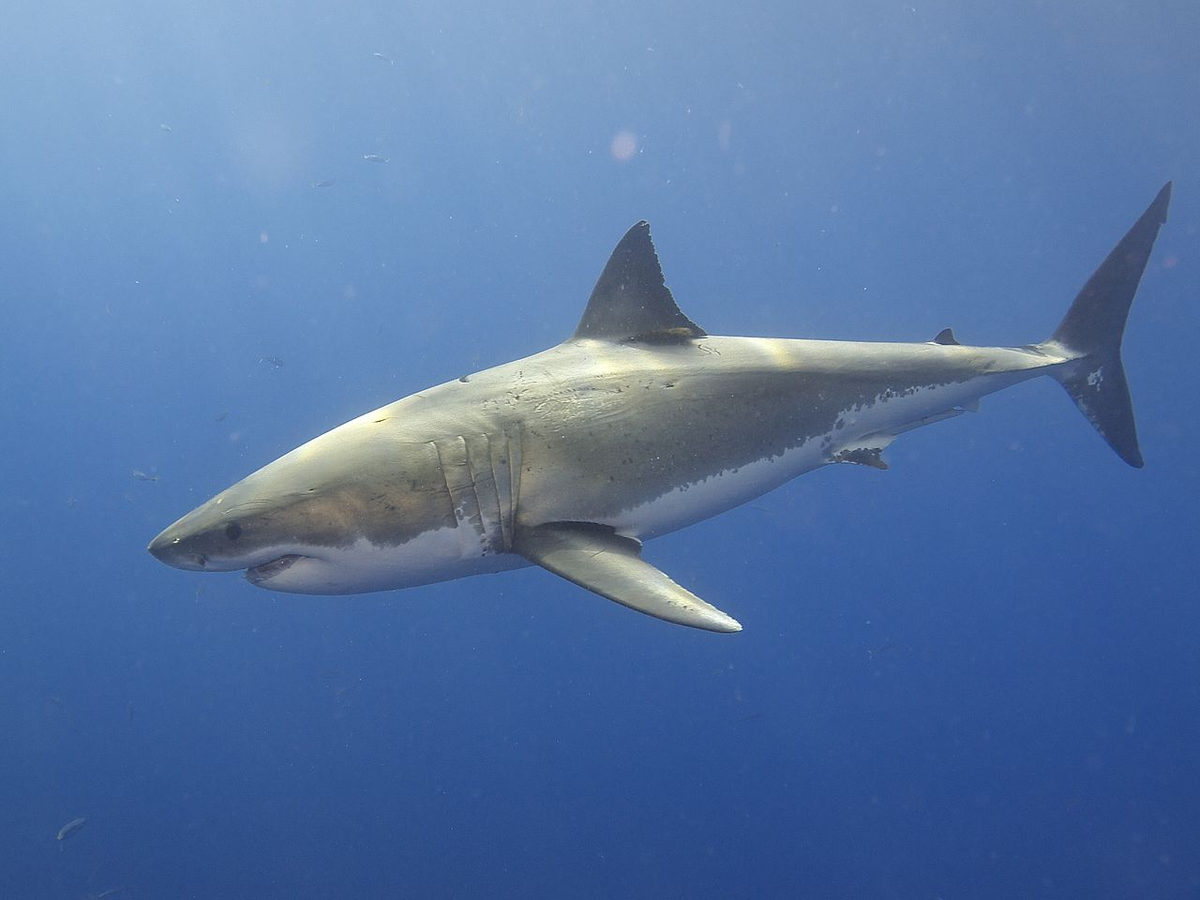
(442, 554)
(686, 504)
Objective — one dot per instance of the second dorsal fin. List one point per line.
(631, 301)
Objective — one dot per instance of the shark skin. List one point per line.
(638, 425)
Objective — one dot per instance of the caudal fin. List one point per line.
(1092, 329)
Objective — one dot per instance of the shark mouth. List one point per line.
(268, 570)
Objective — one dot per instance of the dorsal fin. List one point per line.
(631, 301)
(946, 336)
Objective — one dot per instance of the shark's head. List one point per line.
(326, 518)
(253, 525)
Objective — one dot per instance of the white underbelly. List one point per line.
(690, 503)
(872, 425)
(442, 554)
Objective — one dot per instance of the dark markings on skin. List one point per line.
(682, 436)
(863, 456)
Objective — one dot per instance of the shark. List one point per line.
(639, 424)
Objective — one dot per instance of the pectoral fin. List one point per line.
(596, 558)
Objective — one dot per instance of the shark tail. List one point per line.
(1090, 335)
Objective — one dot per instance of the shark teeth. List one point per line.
(268, 570)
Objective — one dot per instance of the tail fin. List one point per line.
(1091, 332)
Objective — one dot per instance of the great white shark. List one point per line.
(637, 425)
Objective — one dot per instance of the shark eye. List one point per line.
(233, 531)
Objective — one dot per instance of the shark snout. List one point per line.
(198, 542)
(170, 548)
(222, 536)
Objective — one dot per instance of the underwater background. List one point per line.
(975, 675)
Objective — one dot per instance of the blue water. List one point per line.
(972, 676)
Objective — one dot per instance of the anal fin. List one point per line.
(597, 558)
(868, 450)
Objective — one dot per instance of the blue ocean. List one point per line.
(230, 227)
